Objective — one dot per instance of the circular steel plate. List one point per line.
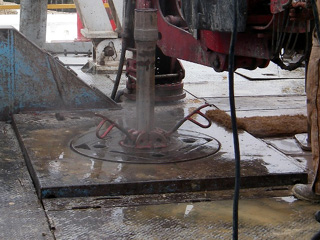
(184, 145)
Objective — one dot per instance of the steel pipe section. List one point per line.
(146, 36)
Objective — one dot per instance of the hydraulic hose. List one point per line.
(234, 121)
(125, 37)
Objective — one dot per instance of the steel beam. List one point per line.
(33, 20)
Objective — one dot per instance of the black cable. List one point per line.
(234, 121)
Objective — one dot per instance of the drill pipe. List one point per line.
(146, 36)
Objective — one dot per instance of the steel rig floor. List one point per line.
(50, 191)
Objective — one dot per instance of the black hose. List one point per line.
(236, 146)
(119, 72)
(125, 36)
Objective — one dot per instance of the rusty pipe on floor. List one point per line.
(146, 36)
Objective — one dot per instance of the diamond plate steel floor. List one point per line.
(21, 213)
(271, 218)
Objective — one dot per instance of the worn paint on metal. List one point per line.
(32, 79)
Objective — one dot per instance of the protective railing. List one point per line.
(50, 6)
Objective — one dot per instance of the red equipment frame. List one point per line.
(253, 47)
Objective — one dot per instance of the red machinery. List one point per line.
(199, 31)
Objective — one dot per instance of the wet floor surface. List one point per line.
(62, 172)
(22, 214)
(270, 218)
(268, 213)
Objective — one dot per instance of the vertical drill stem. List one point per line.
(145, 35)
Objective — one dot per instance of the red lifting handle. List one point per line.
(113, 124)
(102, 136)
(189, 117)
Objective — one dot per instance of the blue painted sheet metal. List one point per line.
(31, 79)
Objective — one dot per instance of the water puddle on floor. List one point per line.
(270, 218)
(267, 218)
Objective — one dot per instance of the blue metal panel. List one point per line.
(31, 79)
(6, 71)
